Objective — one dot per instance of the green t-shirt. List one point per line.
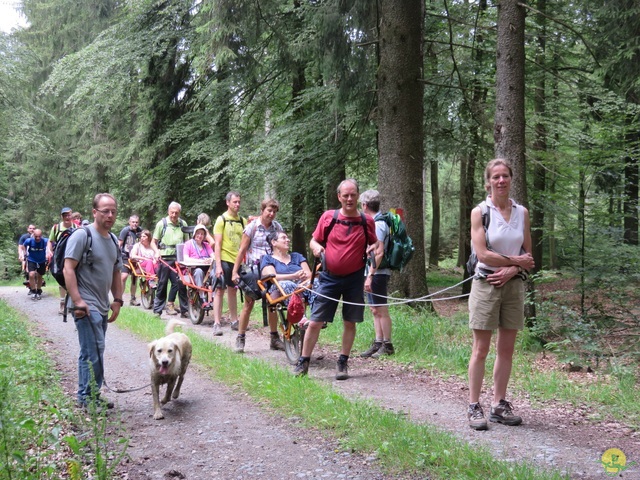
(173, 235)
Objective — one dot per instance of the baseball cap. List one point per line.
(65, 210)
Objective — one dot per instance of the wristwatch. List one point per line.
(120, 301)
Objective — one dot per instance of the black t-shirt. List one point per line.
(128, 238)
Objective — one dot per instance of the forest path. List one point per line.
(214, 432)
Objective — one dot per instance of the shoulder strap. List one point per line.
(485, 211)
(164, 228)
(331, 225)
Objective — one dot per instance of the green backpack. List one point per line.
(398, 245)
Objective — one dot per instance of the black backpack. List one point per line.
(473, 258)
(57, 261)
(248, 283)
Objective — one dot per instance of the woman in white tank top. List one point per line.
(496, 301)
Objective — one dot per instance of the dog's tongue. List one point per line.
(163, 370)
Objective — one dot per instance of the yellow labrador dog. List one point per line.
(169, 359)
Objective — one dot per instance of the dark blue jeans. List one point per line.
(91, 335)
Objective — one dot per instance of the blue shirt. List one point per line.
(37, 251)
(284, 268)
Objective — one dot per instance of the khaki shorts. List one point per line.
(491, 307)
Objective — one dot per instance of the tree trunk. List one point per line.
(468, 165)
(539, 146)
(509, 121)
(631, 176)
(435, 213)
(400, 129)
(509, 124)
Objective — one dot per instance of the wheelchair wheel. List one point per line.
(146, 294)
(293, 345)
(196, 312)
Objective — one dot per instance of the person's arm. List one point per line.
(71, 282)
(217, 253)
(116, 290)
(52, 238)
(244, 248)
(316, 248)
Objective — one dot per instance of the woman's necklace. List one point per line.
(283, 257)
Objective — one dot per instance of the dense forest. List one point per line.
(184, 100)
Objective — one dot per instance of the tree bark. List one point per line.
(509, 126)
(400, 129)
(468, 164)
(539, 146)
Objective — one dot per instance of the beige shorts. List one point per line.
(491, 307)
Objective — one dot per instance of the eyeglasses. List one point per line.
(107, 212)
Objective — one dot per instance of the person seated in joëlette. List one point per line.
(145, 253)
(199, 249)
(290, 269)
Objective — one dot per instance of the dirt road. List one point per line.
(212, 432)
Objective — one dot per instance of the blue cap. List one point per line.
(65, 210)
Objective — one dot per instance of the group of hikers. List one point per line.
(352, 241)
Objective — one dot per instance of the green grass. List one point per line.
(360, 426)
(35, 414)
(442, 346)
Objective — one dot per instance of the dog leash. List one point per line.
(104, 380)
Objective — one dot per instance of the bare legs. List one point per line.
(505, 344)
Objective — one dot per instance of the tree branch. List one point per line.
(566, 25)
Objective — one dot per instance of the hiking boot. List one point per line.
(276, 343)
(375, 346)
(217, 330)
(171, 309)
(475, 414)
(99, 406)
(503, 413)
(302, 367)
(134, 302)
(385, 349)
(342, 370)
(184, 314)
(234, 325)
(34, 296)
(240, 344)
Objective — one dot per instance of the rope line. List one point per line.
(400, 301)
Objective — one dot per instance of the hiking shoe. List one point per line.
(234, 325)
(100, 404)
(152, 284)
(34, 296)
(342, 371)
(385, 349)
(240, 344)
(503, 413)
(475, 414)
(134, 302)
(37, 296)
(276, 343)
(375, 346)
(184, 314)
(302, 367)
(217, 330)
(171, 309)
